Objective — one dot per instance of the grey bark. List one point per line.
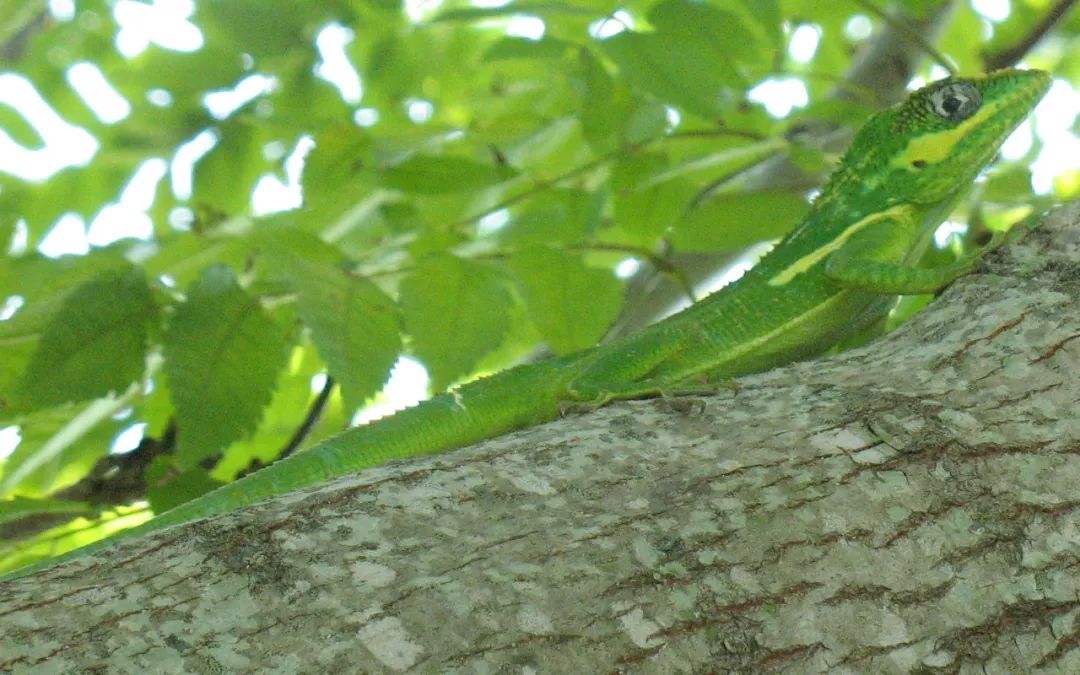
(911, 506)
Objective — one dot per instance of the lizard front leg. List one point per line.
(867, 261)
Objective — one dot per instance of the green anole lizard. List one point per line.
(838, 270)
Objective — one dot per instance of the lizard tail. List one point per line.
(520, 397)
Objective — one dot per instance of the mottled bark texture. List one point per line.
(911, 506)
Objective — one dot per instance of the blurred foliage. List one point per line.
(471, 205)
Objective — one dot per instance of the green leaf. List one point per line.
(524, 48)
(972, 56)
(456, 311)
(166, 490)
(7, 230)
(1011, 185)
(558, 215)
(283, 416)
(571, 304)
(541, 8)
(333, 171)
(186, 75)
(355, 326)
(43, 284)
(430, 174)
(225, 177)
(687, 61)
(764, 35)
(59, 447)
(645, 122)
(22, 507)
(604, 106)
(184, 255)
(433, 240)
(222, 356)
(264, 28)
(71, 535)
(19, 129)
(733, 221)
(648, 212)
(394, 68)
(95, 344)
(81, 192)
(551, 149)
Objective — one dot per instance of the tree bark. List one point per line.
(911, 506)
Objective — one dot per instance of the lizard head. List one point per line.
(933, 145)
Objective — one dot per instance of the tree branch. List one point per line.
(910, 505)
(1012, 55)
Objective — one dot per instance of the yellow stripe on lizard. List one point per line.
(817, 255)
(932, 148)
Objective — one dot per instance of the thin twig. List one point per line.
(656, 260)
(910, 34)
(709, 190)
(312, 417)
(1011, 55)
(542, 186)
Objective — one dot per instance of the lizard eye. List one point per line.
(956, 101)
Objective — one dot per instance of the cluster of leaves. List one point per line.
(463, 234)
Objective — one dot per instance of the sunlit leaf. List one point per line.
(222, 357)
(573, 305)
(455, 312)
(95, 344)
(687, 60)
(427, 174)
(734, 221)
(355, 326)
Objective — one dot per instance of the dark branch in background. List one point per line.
(19, 25)
(1010, 56)
(114, 480)
(313, 414)
(312, 417)
(881, 72)
(121, 479)
(909, 33)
